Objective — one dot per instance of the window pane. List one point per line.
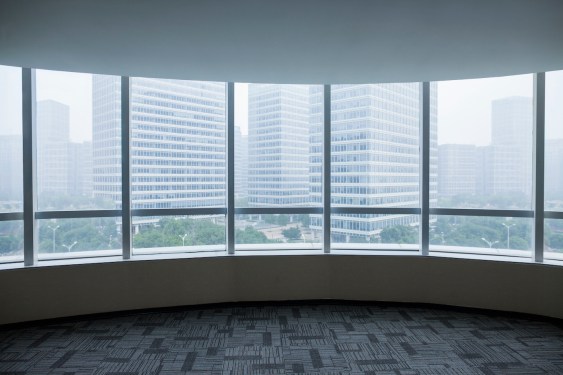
(278, 232)
(11, 241)
(375, 145)
(481, 235)
(179, 234)
(278, 146)
(553, 236)
(78, 141)
(485, 143)
(375, 155)
(11, 164)
(374, 232)
(77, 238)
(178, 134)
(554, 141)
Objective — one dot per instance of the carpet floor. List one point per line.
(311, 338)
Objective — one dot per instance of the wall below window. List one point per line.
(58, 291)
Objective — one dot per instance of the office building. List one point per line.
(457, 170)
(178, 146)
(278, 145)
(241, 164)
(11, 190)
(53, 133)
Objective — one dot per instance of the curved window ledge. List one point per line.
(195, 252)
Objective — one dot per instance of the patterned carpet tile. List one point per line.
(327, 338)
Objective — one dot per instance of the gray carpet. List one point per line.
(329, 338)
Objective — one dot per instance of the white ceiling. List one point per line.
(285, 41)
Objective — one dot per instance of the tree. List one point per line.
(399, 234)
(250, 235)
(292, 234)
(555, 241)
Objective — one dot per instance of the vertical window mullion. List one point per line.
(126, 227)
(424, 167)
(326, 167)
(29, 140)
(230, 168)
(538, 165)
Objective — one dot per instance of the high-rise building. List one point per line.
(511, 143)
(554, 169)
(106, 138)
(53, 133)
(178, 131)
(80, 169)
(375, 155)
(457, 169)
(278, 145)
(241, 164)
(11, 191)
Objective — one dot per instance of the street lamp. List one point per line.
(69, 247)
(489, 242)
(508, 233)
(110, 239)
(54, 229)
(183, 238)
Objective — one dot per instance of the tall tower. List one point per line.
(278, 145)
(241, 164)
(80, 169)
(375, 155)
(177, 142)
(106, 138)
(457, 169)
(511, 143)
(11, 191)
(53, 131)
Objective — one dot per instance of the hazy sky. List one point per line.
(464, 107)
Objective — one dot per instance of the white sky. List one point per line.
(464, 107)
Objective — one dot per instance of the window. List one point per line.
(179, 234)
(11, 165)
(484, 143)
(480, 166)
(178, 161)
(11, 186)
(78, 141)
(375, 161)
(278, 163)
(374, 232)
(482, 235)
(78, 238)
(554, 164)
(178, 143)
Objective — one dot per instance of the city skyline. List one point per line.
(74, 90)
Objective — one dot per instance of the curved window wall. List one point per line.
(100, 165)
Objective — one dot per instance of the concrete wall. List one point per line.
(57, 291)
(285, 41)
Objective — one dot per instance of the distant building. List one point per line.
(278, 145)
(178, 132)
(53, 134)
(457, 169)
(375, 155)
(106, 138)
(241, 164)
(502, 167)
(11, 188)
(511, 142)
(554, 169)
(80, 169)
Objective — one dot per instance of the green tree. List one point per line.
(292, 234)
(555, 241)
(403, 234)
(251, 236)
